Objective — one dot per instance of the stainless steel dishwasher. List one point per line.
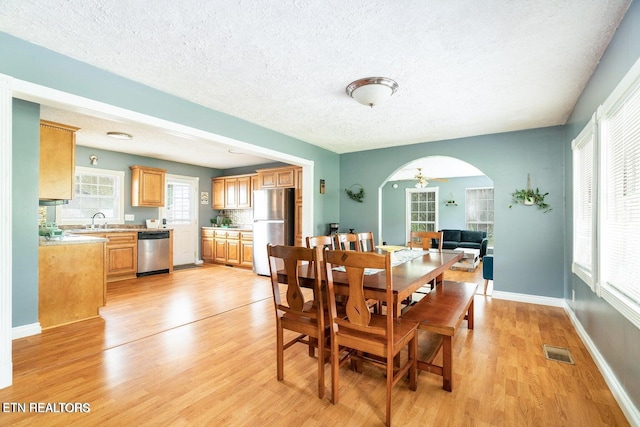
(153, 252)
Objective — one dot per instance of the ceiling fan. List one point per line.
(423, 181)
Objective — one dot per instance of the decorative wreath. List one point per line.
(357, 196)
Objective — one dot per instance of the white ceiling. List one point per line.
(464, 67)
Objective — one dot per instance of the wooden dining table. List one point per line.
(411, 270)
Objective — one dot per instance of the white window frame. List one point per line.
(628, 303)
(86, 221)
(466, 212)
(616, 278)
(585, 197)
(408, 192)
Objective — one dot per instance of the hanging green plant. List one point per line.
(357, 196)
(530, 197)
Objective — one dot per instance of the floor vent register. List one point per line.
(558, 354)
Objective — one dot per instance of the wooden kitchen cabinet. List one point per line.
(232, 192)
(232, 247)
(57, 161)
(218, 193)
(207, 249)
(71, 282)
(121, 255)
(220, 246)
(147, 186)
(277, 177)
(246, 249)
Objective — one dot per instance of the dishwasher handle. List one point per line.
(146, 235)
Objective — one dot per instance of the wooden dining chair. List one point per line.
(322, 241)
(365, 242)
(425, 239)
(376, 338)
(346, 241)
(298, 314)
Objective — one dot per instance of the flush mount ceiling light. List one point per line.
(372, 90)
(119, 135)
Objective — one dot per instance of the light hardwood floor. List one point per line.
(197, 347)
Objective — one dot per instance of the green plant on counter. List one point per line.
(213, 221)
(355, 196)
(226, 222)
(530, 197)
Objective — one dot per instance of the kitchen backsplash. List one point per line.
(239, 216)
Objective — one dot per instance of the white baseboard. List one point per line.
(531, 299)
(26, 330)
(619, 393)
(199, 261)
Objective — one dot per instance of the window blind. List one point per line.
(620, 216)
(583, 207)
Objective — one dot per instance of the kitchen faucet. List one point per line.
(94, 217)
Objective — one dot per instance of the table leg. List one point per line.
(470, 316)
(447, 362)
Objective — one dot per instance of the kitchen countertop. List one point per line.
(229, 228)
(70, 240)
(111, 230)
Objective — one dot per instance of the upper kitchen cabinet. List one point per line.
(147, 186)
(232, 192)
(57, 161)
(283, 177)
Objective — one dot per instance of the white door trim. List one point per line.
(194, 184)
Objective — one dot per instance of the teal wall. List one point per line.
(24, 206)
(394, 204)
(528, 243)
(617, 339)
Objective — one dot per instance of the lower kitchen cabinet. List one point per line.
(246, 249)
(71, 280)
(121, 257)
(208, 252)
(227, 247)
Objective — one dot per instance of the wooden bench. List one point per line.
(440, 314)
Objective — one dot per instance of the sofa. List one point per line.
(453, 239)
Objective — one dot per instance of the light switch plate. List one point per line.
(129, 217)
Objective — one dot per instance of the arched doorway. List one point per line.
(457, 195)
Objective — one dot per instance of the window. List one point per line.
(606, 188)
(179, 203)
(422, 209)
(619, 218)
(479, 211)
(583, 207)
(96, 190)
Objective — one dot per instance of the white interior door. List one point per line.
(181, 213)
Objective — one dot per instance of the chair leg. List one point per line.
(486, 283)
(389, 388)
(320, 341)
(335, 369)
(279, 352)
(413, 370)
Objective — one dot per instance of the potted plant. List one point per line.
(226, 222)
(214, 222)
(530, 197)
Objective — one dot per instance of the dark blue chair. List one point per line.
(487, 270)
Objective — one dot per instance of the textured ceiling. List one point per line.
(464, 67)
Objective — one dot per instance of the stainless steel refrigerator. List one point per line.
(273, 222)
